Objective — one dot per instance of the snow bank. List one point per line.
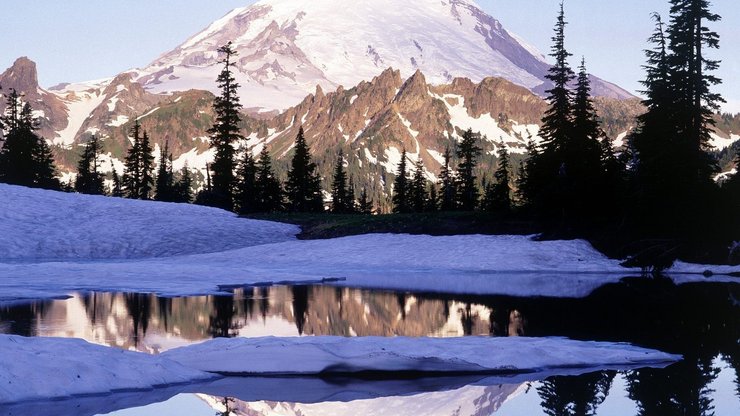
(53, 243)
(45, 225)
(506, 265)
(43, 368)
(342, 356)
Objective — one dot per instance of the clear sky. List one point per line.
(77, 40)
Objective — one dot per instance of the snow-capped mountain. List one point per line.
(287, 47)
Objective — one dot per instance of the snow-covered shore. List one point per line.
(33, 369)
(176, 249)
(43, 368)
(394, 355)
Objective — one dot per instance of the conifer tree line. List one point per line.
(457, 189)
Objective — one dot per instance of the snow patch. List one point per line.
(33, 369)
(341, 355)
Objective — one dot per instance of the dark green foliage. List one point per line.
(365, 205)
(117, 188)
(25, 158)
(246, 188)
(672, 171)
(225, 132)
(418, 191)
(342, 198)
(165, 189)
(303, 188)
(467, 188)
(89, 180)
(184, 186)
(447, 184)
(401, 188)
(556, 124)
(139, 166)
(269, 191)
(500, 193)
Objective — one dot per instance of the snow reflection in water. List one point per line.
(699, 321)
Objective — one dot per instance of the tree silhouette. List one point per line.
(225, 132)
(303, 188)
(89, 179)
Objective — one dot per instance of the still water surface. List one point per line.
(699, 321)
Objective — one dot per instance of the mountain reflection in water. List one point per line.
(699, 321)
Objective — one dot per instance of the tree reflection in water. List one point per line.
(575, 395)
(698, 321)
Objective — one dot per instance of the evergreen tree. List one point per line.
(138, 165)
(556, 124)
(89, 179)
(184, 186)
(365, 205)
(448, 190)
(672, 171)
(269, 192)
(500, 192)
(488, 203)
(303, 188)
(526, 187)
(165, 188)
(547, 171)
(692, 81)
(467, 187)
(401, 188)
(246, 192)
(225, 132)
(584, 150)
(117, 188)
(340, 199)
(418, 191)
(25, 158)
(147, 167)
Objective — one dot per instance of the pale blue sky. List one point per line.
(77, 40)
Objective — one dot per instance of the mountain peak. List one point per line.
(21, 76)
(287, 47)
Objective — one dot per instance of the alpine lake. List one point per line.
(700, 321)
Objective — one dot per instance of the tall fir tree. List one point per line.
(184, 186)
(340, 199)
(116, 189)
(500, 188)
(448, 190)
(138, 172)
(467, 188)
(418, 191)
(165, 186)
(89, 180)
(25, 158)
(673, 184)
(225, 131)
(269, 191)
(691, 71)
(401, 187)
(246, 189)
(303, 188)
(547, 170)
